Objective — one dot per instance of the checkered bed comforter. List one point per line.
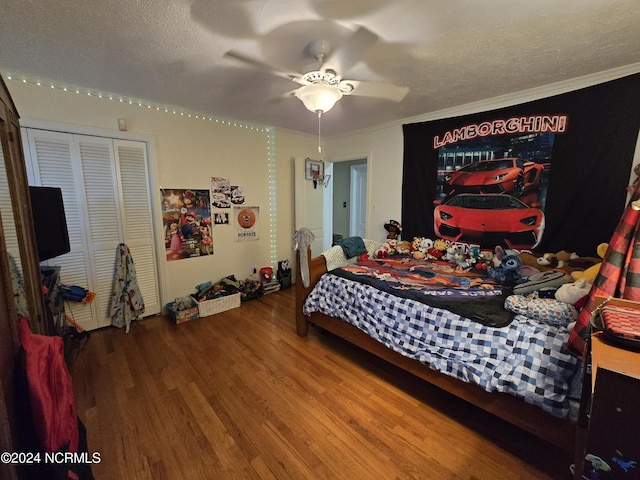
(523, 359)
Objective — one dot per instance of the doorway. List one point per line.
(349, 198)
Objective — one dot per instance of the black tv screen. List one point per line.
(50, 222)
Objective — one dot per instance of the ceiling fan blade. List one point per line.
(350, 52)
(282, 96)
(382, 90)
(280, 72)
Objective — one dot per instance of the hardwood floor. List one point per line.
(239, 396)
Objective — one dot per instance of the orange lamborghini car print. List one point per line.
(504, 175)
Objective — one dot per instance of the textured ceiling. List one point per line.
(448, 53)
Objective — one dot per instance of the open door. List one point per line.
(309, 206)
(358, 195)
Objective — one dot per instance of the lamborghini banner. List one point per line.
(547, 175)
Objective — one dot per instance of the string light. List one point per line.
(171, 110)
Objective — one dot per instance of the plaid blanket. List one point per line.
(523, 359)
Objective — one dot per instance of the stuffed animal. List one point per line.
(438, 250)
(550, 260)
(420, 246)
(524, 270)
(403, 247)
(591, 273)
(507, 273)
(500, 253)
(573, 293)
(387, 249)
(485, 261)
(394, 228)
(457, 255)
(562, 260)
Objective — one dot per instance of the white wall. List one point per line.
(383, 149)
(188, 151)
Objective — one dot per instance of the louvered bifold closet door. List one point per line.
(103, 223)
(54, 162)
(106, 192)
(135, 190)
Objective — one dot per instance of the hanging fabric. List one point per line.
(302, 239)
(127, 303)
(619, 274)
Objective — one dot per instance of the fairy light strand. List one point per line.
(179, 112)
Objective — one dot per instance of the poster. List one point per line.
(237, 195)
(220, 192)
(186, 217)
(246, 222)
(546, 175)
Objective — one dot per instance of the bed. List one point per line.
(516, 371)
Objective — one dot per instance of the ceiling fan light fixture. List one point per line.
(318, 97)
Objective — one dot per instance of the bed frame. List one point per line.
(558, 432)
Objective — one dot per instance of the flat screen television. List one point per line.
(50, 222)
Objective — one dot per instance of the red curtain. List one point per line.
(619, 274)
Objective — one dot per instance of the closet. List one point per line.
(107, 200)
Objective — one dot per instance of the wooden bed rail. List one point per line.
(317, 267)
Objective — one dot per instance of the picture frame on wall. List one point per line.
(313, 169)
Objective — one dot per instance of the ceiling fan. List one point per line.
(322, 87)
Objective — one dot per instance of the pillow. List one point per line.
(546, 279)
(335, 257)
(352, 246)
(546, 310)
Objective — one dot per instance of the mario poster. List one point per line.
(186, 216)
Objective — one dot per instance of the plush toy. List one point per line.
(387, 249)
(507, 273)
(485, 261)
(394, 228)
(573, 293)
(550, 260)
(562, 260)
(438, 250)
(591, 273)
(403, 247)
(500, 253)
(420, 246)
(457, 255)
(524, 271)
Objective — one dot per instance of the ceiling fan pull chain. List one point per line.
(319, 137)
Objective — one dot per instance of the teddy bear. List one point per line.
(591, 273)
(437, 251)
(420, 246)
